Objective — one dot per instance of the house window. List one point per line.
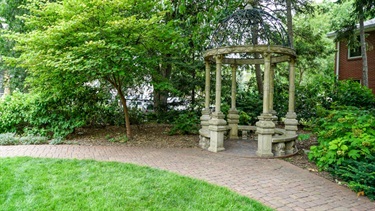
(354, 52)
(356, 80)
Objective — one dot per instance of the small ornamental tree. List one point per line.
(74, 42)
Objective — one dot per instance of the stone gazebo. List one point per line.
(249, 37)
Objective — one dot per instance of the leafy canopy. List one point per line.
(85, 38)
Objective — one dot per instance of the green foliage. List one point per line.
(325, 92)
(360, 175)
(351, 93)
(187, 122)
(55, 116)
(121, 138)
(345, 134)
(8, 139)
(57, 184)
(71, 44)
(250, 107)
(137, 117)
(304, 137)
(12, 139)
(56, 141)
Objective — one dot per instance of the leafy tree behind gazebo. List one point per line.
(71, 43)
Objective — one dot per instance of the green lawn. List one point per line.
(56, 184)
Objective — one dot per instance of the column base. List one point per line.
(275, 119)
(291, 123)
(218, 126)
(205, 118)
(233, 120)
(265, 131)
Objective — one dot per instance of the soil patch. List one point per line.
(147, 135)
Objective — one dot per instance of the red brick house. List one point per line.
(348, 62)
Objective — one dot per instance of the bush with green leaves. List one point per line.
(359, 175)
(347, 133)
(187, 122)
(325, 92)
(54, 115)
(351, 93)
(250, 107)
(136, 116)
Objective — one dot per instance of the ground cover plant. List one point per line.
(56, 184)
(346, 147)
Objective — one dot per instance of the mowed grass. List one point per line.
(56, 184)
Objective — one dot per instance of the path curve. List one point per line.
(273, 182)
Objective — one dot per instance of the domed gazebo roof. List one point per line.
(250, 27)
(248, 33)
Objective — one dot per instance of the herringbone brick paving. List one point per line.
(273, 182)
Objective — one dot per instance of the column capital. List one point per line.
(292, 59)
(219, 58)
(266, 55)
(234, 66)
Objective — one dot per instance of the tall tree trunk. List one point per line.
(363, 47)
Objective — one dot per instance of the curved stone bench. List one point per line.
(204, 138)
(283, 144)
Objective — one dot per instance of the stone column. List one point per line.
(291, 121)
(272, 90)
(204, 132)
(233, 117)
(218, 125)
(265, 125)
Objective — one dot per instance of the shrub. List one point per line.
(186, 123)
(54, 115)
(136, 116)
(250, 107)
(360, 175)
(8, 139)
(351, 93)
(12, 139)
(347, 133)
(30, 139)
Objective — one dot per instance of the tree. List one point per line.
(9, 10)
(178, 72)
(361, 9)
(72, 43)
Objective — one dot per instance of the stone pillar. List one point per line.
(291, 121)
(272, 90)
(204, 141)
(265, 125)
(218, 125)
(233, 117)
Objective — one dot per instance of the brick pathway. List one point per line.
(273, 182)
